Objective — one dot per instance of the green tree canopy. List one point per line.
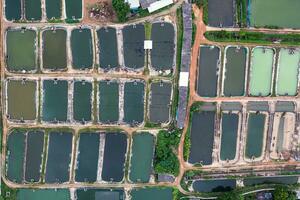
(121, 8)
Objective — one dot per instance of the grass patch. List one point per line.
(241, 11)
(148, 28)
(8, 193)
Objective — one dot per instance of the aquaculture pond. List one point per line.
(20, 50)
(114, 157)
(235, 70)
(82, 48)
(99, 194)
(285, 106)
(261, 13)
(33, 10)
(208, 71)
(53, 9)
(34, 154)
(255, 135)
(45, 194)
(261, 71)
(202, 137)
(82, 101)
(221, 13)
(134, 102)
(216, 185)
(230, 126)
(15, 156)
(59, 157)
(271, 179)
(288, 72)
(160, 102)
(133, 43)
(141, 158)
(13, 10)
(73, 9)
(108, 48)
(54, 49)
(21, 99)
(150, 193)
(163, 50)
(108, 101)
(87, 158)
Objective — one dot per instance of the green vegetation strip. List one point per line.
(253, 37)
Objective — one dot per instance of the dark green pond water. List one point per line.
(133, 43)
(114, 157)
(160, 102)
(134, 102)
(53, 9)
(74, 9)
(230, 123)
(33, 10)
(82, 48)
(202, 137)
(151, 193)
(234, 83)
(207, 72)
(87, 160)
(82, 101)
(141, 159)
(45, 194)
(100, 194)
(55, 100)
(34, 153)
(13, 9)
(54, 49)
(217, 185)
(59, 157)
(21, 99)
(108, 48)
(254, 143)
(108, 102)
(21, 50)
(15, 159)
(162, 53)
(267, 180)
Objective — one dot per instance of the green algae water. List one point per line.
(82, 101)
(151, 193)
(21, 47)
(33, 10)
(45, 194)
(13, 10)
(288, 72)
(74, 9)
(279, 13)
(53, 9)
(21, 99)
(141, 159)
(261, 71)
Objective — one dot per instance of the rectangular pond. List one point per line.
(55, 100)
(99, 194)
(261, 13)
(12, 10)
(202, 137)
(255, 135)
(15, 156)
(271, 180)
(34, 154)
(73, 9)
(108, 48)
(215, 185)
(134, 102)
(82, 48)
(288, 72)
(160, 102)
(150, 193)
(53, 9)
(45, 194)
(221, 13)
(133, 44)
(108, 101)
(235, 71)
(87, 158)
(82, 101)
(163, 40)
(229, 134)
(21, 99)
(262, 59)
(208, 69)
(59, 157)
(141, 158)
(55, 49)
(114, 157)
(33, 10)
(21, 50)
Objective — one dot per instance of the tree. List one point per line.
(232, 195)
(121, 8)
(283, 193)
